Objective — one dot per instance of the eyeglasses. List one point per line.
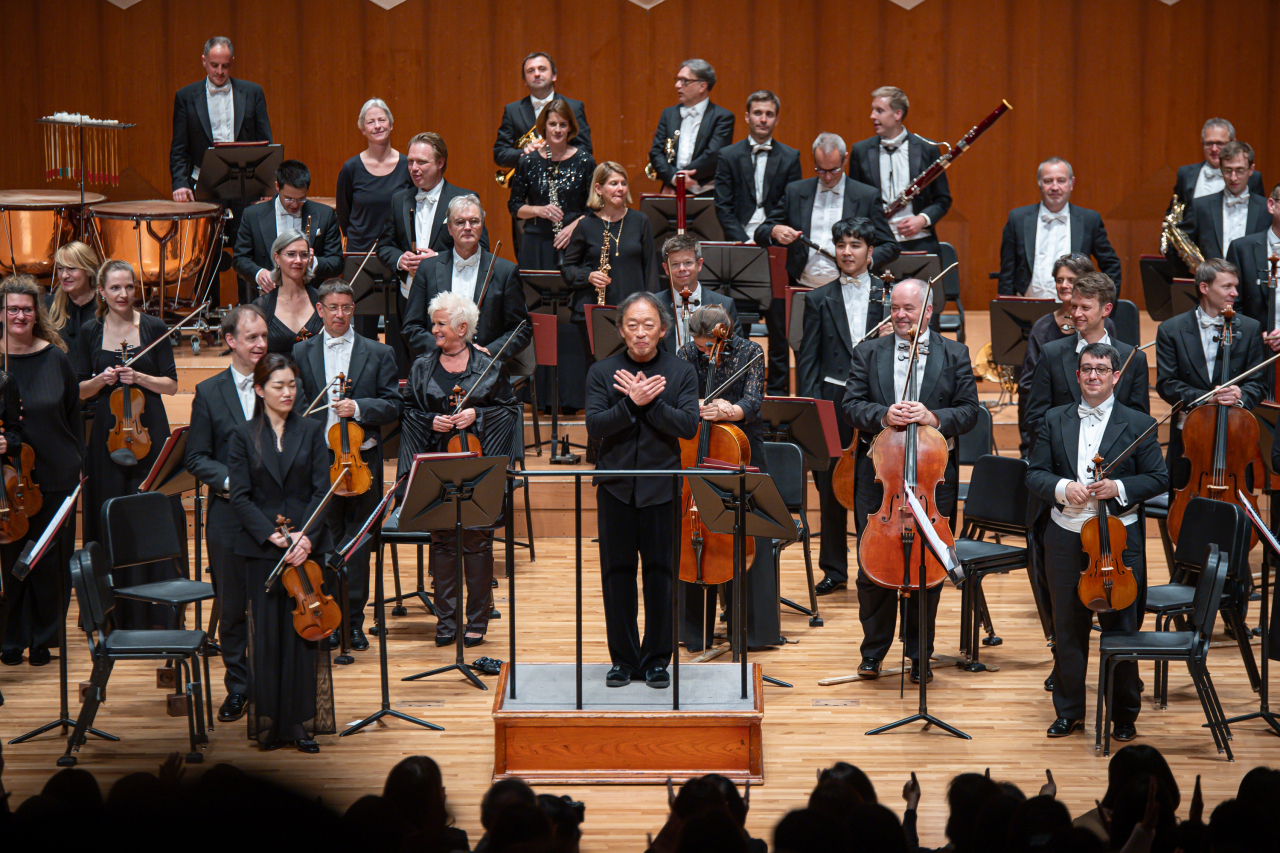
(1096, 371)
(682, 265)
(1239, 170)
(834, 171)
(458, 223)
(687, 81)
(339, 309)
(297, 256)
(293, 202)
(17, 310)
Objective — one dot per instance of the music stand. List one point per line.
(374, 278)
(795, 316)
(238, 172)
(1011, 322)
(602, 331)
(742, 504)
(1157, 273)
(800, 421)
(474, 486)
(700, 218)
(1264, 712)
(739, 271)
(924, 266)
(547, 289)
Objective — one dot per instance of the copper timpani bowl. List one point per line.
(161, 240)
(34, 224)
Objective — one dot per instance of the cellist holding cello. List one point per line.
(1063, 472)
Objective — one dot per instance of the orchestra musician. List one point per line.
(415, 228)
(221, 404)
(42, 383)
(372, 400)
(682, 262)
(289, 306)
(1037, 234)
(640, 402)
(290, 210)
(1250, 255)
(1205, 178)
(279, 466)
(72, 303)
(101, 371)
(811, 207)
(893, 158)
(703, 127)
(1214, 221)
(1061, 474)
(948, 402)
(739, 404)
(837, 316)
(518, 117)
(462, 270)
(751, 180)
(492, 415)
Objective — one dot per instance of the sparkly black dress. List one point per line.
(280, 338)
(532, 184)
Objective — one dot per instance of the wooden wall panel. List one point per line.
(1119, 87)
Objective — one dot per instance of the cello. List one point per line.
(345, 438)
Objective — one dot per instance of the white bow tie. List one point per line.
(1090, 412)
(1046, 218)
(756, 148)
(1236, 200)
(850, 280)
(245, 384)
(1209, 322)
(336, 342)
(1210, 172)
(219, 90)
(688, 112)
(472, 261)
(422, 196)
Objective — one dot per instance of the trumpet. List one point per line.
(503, 176)
(668, 149)
(604, 263)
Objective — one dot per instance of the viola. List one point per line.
(464, 439)
(13, 524)
(315, 614)
(1107, 583)
(28, 499)
(345, 438)
(128, 441)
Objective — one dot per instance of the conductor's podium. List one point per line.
(627, 734)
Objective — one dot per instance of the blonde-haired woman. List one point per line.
(291, 304)
(71, 303)
(367, 181)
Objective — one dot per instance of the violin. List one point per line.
(1220, 443)
(128, 441)
(1107, 584)
(315, 615)
(345, 438)
(707, 557)
(28, 499)
(463, 440)
(13, 524)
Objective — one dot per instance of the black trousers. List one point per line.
(227, 571)
(833, 544)
(477, 574)
(1072, 625)
(778, 381)
(344, 516)
(31, 608)
(399, 346)
(634, 538)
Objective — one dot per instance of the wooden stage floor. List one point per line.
(805, 728)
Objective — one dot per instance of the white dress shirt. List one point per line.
(1235, 215)
(1209, 181)
(856, 292)
(222, 116)
(1053, 240)
(902, 352)
(1093, 422)
(695, 302)
(424, 214)
(690, 123)
(244, 390)
(760, 158)
(828, 209)
(539, 104)
(1081, 343)
(895, 174)
(1210, 331)
(337, 359)
(465, 273)
(1273, 250)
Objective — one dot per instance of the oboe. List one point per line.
(604, 262)
(554, 194)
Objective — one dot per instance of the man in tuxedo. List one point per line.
(1250, 254)
(518, 117)
(1205, 178)
(371, 399)
(682, 261)
(290, 209)
(416, 230)
(1214, 222)
(750, 182)
(811, 207)
(703, 127)
(218, 108)
(1037, 235)
(874, 400)
(462, 270)
(837, 316)
(1061, 473)
(221, 403)
(891, 160)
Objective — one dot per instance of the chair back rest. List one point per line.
(90, 579)
(1208, 522)
(544, 339)
(977, 441)
(786, 467)
(1204, 606)
(139, 529)
(1125, 315)
(998, 495)
(951, 281)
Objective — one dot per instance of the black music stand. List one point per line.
(1157, 273)
(926, 267)
(1011, 322)
(548, 289)
(27, 561)
(739, 271)
(474, 486)
(602, 330)
(374, 278)
(946, 556)
(238, 172)
(742, 504)
(1268, 539)
(700, 217)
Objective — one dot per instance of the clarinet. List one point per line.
(604, 262)
(554, 195)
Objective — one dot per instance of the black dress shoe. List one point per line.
(915, 672)
(472, 642)
(619, 676)
(358, 640)
(1062, 727)
(39, 657)
(869, 668)
(1124, 732)
(308, 746)
(335, 639)
(1048, 683)
(826, 586)
(658, 677)
(233, 708)
(442, 640)
(271, 746)
(11, 657)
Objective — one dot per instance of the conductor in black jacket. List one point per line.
(695, 130)
(518, 117)
(640, 403)
(221, 404)
(371, 400)
(289, 210)
(1061, 473)
(874, 401)
(463, 270)
(682, 261)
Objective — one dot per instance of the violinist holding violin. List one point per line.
(438, 381)
(279, 466)
(1062, 472)
(370, 400)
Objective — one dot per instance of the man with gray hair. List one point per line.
(1205, 178)
(697, 130)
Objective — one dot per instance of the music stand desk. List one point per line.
(1011, 322)
(238, 172)
(700, 217)
(602, 331)
(374, 277)
(798, 421)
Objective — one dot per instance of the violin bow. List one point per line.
(1252, 370)
(325, 390)
(181, 324)
(488, 277)
(1132, 353)
(1124, 454)
(876, 331)
(485, 372)
(275, 573)
(734, 377)
(367, 256)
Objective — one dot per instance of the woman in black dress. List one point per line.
(279, 465)
(549, 189)
(367, 181)
(71, 304)
(492, 415)
(102, 371)
(42, 375)
(738, 404)
(291, 304)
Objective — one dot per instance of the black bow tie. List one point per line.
(890, 146)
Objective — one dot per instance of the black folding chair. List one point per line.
(786, 467)
(91, 579)
(977, 442)
(1127, 321)
(1190, 646)
(951, 293)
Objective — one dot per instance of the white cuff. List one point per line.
(356, 416)
(1060, 490)
(1122, 497)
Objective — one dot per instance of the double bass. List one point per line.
(345, 438)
